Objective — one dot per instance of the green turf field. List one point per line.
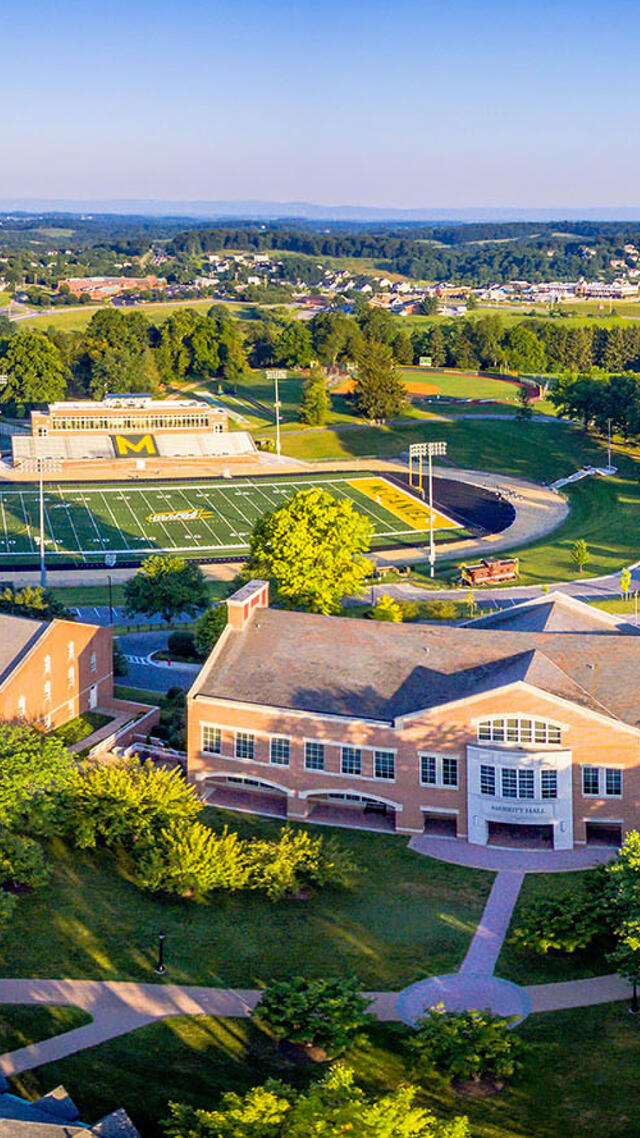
(209, 518)
(458, 385)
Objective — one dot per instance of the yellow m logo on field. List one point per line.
(134, 444)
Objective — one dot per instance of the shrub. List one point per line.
(209, 629)
(182, 644)
(320, 1013)
(190, 860)
(22, 862)
(386, 608)
(33, 765)
(438, 610)
(564, 924)
(466, 1045)
(120, 662)
(298, 860)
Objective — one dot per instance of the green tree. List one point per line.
(466, 1045)
(386, 608)
(293, 346)
(334, 1106)
(524, 410)
(209, 628)
(168, 585)
(325, 1013)
(379, 391)
(315, 403)
(525, 352)
(35, 371)
(32, 765)
(580, 554)
(313, 548)
(429, 305)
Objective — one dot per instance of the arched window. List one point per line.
(518, 729)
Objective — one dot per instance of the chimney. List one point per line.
(255, 594)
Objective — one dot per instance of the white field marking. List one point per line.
(69, 512)
(205, 522)
(235, 509)
(48, 526)
(115, 521)
(4, 524)
(28, 524)
(369, 508)
(151, 511)
(138, 524)
(238, 510)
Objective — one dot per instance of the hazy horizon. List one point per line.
(393, 107)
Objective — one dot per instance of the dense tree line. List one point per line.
(531, 346)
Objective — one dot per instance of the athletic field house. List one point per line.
(120, 523)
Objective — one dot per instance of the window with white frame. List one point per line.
(591, 780)
(428, 770)
(602, 781)
(548, 784)
(47, 689)
(47, 722)
(487, 780)
(518, 729)
(351, 760)
(47, 665)
(94, 662)
(526, 787)
(612, 782)
(384, 765)
(211, 739)
(439, 770)
(509, 779)
(245, 745)
(449, 772)
(280, 750)
(72, 707)
(71, 650)
(314, 756)
(71, 676)
(22, 707)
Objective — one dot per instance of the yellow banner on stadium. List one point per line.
(402, 505)
(125, 445)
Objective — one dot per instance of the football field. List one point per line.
(123, 522)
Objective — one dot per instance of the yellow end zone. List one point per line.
(395, 501)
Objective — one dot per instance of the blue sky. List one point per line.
(405, 103)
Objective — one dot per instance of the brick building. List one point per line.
(521, 728)
(52, 671)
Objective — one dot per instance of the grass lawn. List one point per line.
(83, 596)
(22, 1024)
(515, 963)
(406, 917)
(82, 726)
(579, 1078)
(460, 385)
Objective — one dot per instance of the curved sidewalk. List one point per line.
(496, 858)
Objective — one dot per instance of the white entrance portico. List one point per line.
(528, 788)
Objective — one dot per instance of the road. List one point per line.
(100, 614)
(150, 675)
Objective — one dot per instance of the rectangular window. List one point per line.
(512, 730)
(351, 760)
(613, 782)
(384, 765)
(280, 750)
(428, 770)
(488, 780)
(498, 730)
(314, 756)
(245, 745)
(94, 662)
(526, 731)
(590, 780)
(540, 731)
(553, 734)
(484, 731)
(450, 772)
(549, 784)
(509, 783)
(525, 784)
(211, 739)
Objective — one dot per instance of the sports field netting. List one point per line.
(88, 523)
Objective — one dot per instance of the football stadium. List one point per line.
(120, 523)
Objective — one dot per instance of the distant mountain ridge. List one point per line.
(278, 210)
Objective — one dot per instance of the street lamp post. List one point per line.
(110, 600)
(160, 967)
(41, 465)
(275, 374)
(431, 449)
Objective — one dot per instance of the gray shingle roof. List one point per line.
(380, 671)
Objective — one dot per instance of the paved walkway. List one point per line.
(484, 949)
(497, 858)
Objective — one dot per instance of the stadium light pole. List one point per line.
(430, 449)
(39, 465)
(275, 374)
